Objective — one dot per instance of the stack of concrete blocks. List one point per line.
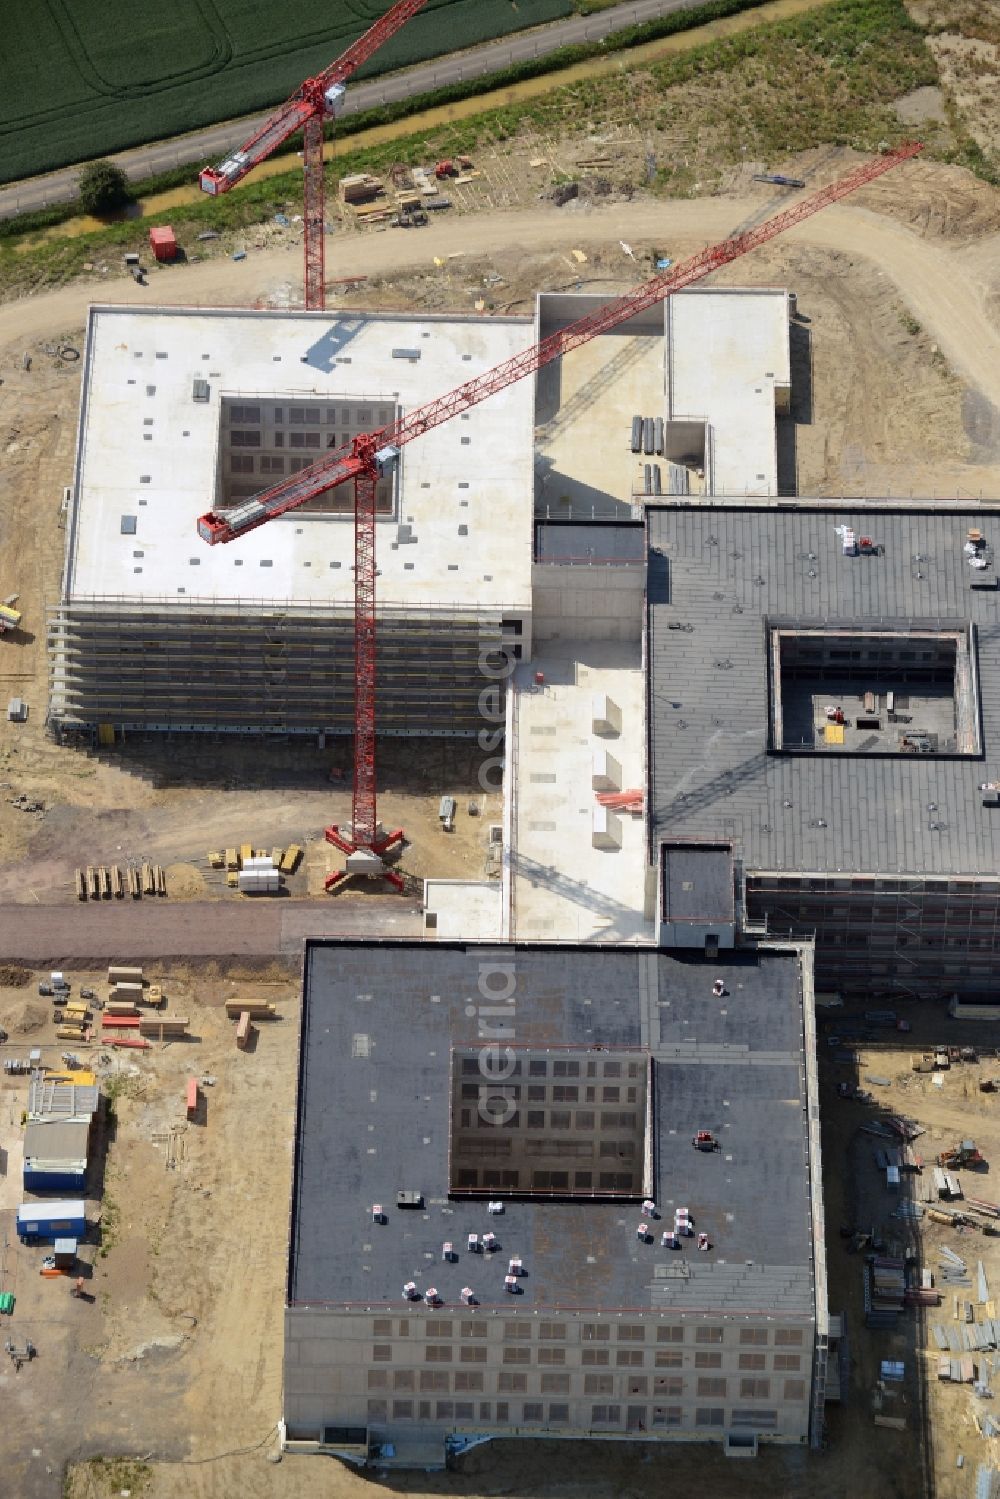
(606, 722)
(259, 876)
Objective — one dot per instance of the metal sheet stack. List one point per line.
(884, 1291)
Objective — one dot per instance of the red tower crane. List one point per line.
(372, 455)
(314, 101)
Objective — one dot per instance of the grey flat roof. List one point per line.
(378, 1024)
(698, 883)
(56, 1139)
(716, 574)
(589, 543)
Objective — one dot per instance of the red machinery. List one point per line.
(372, 455)
(306, 110)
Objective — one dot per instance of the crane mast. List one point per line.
(314, 101)
(374, 455)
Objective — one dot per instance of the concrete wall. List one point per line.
(557, 309)
(690, 934)
(587, 603)
(411, 1375)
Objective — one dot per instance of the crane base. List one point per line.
(364, 860)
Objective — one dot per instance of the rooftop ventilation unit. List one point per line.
(200, 390)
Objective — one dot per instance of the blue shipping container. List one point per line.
(51, 1220)
(54, 1181)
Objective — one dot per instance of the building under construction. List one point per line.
(183, 410)
(823, 699)
(553, 1191)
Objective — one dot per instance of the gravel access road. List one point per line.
(82, 936)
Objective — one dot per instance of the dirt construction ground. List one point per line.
(174, 1357)
(177, 1360)
(896, 391)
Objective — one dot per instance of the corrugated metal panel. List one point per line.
(48, 1097)
(56, 1140)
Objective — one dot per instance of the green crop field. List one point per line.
(82, 78)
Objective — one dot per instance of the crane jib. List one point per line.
(308, 99)
(336, 470)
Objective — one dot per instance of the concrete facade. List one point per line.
(712, 370)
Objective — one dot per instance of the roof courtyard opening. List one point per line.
(874, 690)
(554, 1123)
(264, 439)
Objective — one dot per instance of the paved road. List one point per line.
(84, 935)
(213, 143)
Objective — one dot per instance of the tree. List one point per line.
(103, 187)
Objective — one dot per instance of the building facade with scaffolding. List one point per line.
(183, 410)
(823, 698)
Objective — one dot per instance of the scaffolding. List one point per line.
(911, 933)
(275, 667)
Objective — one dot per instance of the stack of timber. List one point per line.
(119, 973)
(163, 1026)
(257, 1010)
(101, 882)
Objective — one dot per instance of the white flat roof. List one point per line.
(565, 889)
(727, 350)
(466, 910)
(154, 457)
